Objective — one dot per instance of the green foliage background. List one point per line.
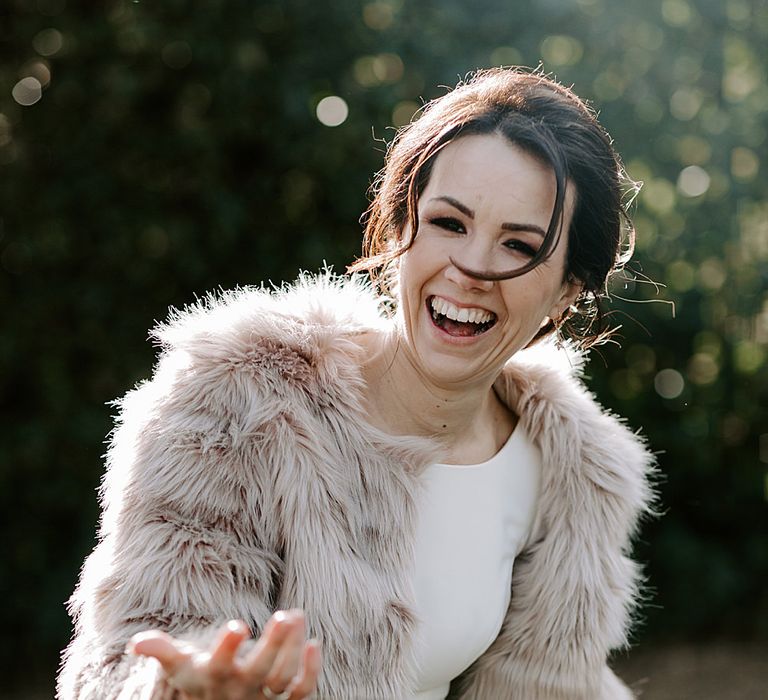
(175, 149)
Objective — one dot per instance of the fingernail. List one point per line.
(280, 616)
(130, 647)
(235, 626)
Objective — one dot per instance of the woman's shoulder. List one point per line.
(300, 332)
(549, 378)
(587, 444)
(243, 366)
(308, 310)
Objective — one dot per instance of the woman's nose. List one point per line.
(465, 281)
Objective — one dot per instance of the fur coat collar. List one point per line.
(244, 478)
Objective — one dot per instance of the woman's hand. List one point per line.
(282, 663)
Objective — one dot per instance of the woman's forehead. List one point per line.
(491, 171)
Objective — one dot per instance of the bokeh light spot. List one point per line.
(48, 42)
(744, 164)
(250, 55)
(38, 69)
(27, 91)
(647, 232)
(680, 275)
(404, 112)
(647, 35)
(676, 13)
(739, 83)
(685, 103)
(378, 70)
(693, 181)
(738, 13)
(719, 185)
(506, 56)
(641, 358)
(748, 357)
(378, 15)
(673, 224)
(561, 50)
(669, 383)
(609, 85)
(9, 153)
(590, 7)
(363, 71)
(332, 111)
(713, 119)
(625, 384)
(709, 342)
(703, 369)
(734, 429)
(712, 275)
(693, 150)
(649, 110)
(753, 235)
(658, 195)
(388, 67)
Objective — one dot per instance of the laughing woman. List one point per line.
(429, 494)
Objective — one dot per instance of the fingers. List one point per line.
(282, 663)
(160, 646)
(190, 670)
(306, 682)
(261, 659)
(286, 664)
(225, 647)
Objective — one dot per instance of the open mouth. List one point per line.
(459, 322)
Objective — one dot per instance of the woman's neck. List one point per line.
(470, 421)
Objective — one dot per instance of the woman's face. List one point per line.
(487, 205)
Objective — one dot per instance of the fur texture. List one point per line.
(244, 478)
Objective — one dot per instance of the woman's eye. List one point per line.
(521, 247)
(448, 223)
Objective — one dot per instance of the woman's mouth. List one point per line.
(459, 321)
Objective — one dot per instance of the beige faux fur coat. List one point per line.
(244, 478)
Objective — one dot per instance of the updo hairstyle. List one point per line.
(546, 120)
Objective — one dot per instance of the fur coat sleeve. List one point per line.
(184, 541)
(243, 478)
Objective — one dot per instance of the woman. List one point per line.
(376, 476)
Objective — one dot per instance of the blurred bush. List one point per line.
(150, 152)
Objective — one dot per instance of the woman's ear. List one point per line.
(570, 291)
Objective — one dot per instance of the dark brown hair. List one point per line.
(551, 123)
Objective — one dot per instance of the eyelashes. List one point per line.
(448, 223)
(522, 247)
(453, 225)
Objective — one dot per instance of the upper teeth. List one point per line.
(463, 315)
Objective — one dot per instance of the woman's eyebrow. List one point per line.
(533, 228)
(464, 209)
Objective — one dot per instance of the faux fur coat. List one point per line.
(244, 478)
